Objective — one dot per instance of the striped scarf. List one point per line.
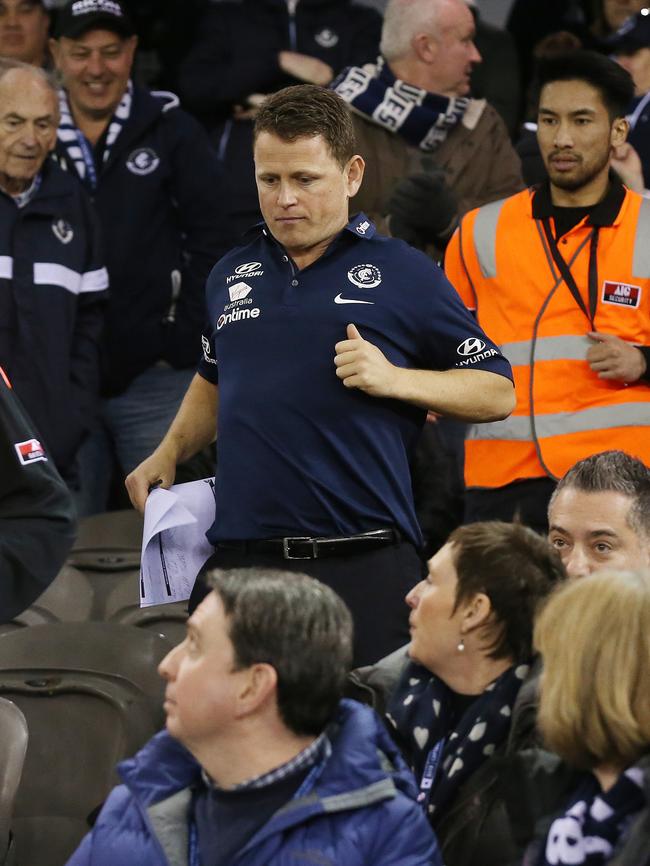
(76, 145)
(422, 118)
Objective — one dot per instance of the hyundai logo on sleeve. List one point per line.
(471, 346)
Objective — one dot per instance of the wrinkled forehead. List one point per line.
(582, 512)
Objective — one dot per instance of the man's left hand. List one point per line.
(306, 68)
(362, 365)
(613, 358)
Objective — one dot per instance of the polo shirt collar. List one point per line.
(603, 214)
(360, 226)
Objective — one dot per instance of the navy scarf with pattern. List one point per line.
(422, 118)
(589, 831)
(421, 709)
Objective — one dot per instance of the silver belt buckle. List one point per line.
(286, 553)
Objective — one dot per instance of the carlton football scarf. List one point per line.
(78, 148)
(423, 119)
(588, 832)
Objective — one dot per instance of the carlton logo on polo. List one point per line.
(365, 276)
(248, 269)
(143, 161)
(471, 346)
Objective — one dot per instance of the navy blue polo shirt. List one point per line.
(298, 453)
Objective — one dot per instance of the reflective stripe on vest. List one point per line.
(563, 348)
(485, 237)
(518, 428)
(641, 259)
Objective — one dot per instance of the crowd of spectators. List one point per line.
(518, 160)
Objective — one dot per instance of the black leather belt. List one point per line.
(304, 547)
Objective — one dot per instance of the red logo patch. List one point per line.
(30, 451)
(621, 294)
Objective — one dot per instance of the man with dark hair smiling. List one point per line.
(262, 764)
(154, 181)
(560, 277)
(326, 344)
(599, 515)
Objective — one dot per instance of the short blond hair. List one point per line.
(594, 636)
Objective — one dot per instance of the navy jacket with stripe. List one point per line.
(158, 198)
(53, 289)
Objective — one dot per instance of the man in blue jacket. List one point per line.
(153, 177)
(262, 764)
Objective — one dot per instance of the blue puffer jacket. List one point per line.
(362, 810)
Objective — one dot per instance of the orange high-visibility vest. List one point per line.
(500, 262)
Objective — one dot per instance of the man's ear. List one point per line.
(55, 50)
(620, 131)
(257, 687)
(354, 174)
(425, 47)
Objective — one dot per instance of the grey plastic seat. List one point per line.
(13, 746)
(69, 598)
(92, 697)
(123, 606)
(108, 542)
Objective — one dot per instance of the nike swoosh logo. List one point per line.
(341, 300)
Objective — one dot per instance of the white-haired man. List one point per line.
(416, 123)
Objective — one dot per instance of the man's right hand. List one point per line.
(159, 470)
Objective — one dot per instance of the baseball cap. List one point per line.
(633, 34)
(79, 16)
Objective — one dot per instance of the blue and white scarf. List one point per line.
(422, 118)
(589, 831)
(78, 147)
(443, 754)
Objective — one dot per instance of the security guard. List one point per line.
(326, 345)
(560, 277)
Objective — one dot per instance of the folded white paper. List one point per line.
(174, 546)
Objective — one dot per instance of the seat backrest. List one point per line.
(123, 605)
(92, 697)
(113, 530)
(68, 598)
(13, 745)
(92, 648)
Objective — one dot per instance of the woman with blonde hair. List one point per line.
(594, 637)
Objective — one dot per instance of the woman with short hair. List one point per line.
(465, 701)
(594, 637)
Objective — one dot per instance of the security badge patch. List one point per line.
(621, 294)
(30, 451)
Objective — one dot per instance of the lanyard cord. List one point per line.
(533, 345)
(568, 277)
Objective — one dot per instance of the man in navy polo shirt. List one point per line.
(326, 345)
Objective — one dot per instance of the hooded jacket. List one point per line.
(159, 201)
(362, 809)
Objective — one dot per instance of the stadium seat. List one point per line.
(91, 696)
(13, 745)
